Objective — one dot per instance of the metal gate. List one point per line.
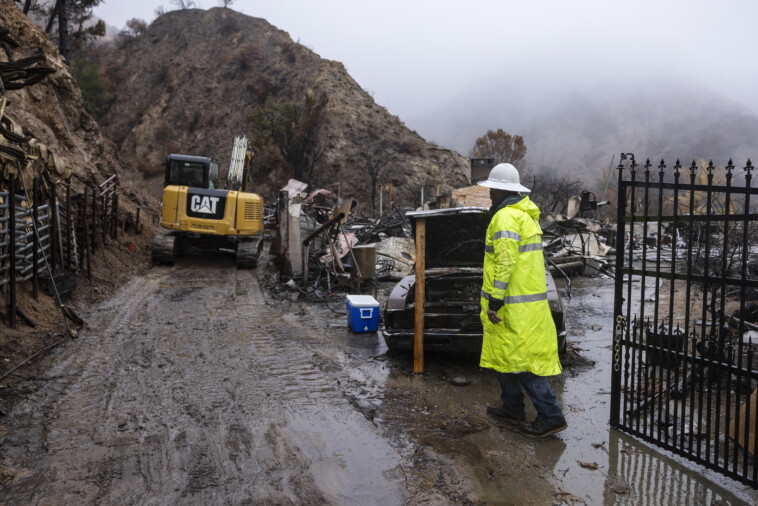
(685, 345)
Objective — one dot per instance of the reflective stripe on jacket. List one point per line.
(514, 276)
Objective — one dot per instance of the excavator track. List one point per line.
(164, 249)
(248, 252)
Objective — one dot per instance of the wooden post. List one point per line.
(389, 201)
(86, 234)
(35, 239)
(339, 192)
(69, 235)
(115, 216)
(54, 231)
(438, 190)
(93, 242)
(420, 287)
(282, 219)
(104, 225)
(381, 196)
(12, 247)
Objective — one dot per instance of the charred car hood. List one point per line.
(454, 237)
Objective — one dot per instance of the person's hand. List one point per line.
(494, 318)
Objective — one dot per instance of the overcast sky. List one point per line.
(417, 55)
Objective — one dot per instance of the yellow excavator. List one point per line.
(197, 213)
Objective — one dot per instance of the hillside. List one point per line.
(189, 82)
(52, 111)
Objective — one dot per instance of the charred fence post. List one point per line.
(35, 239)
(93, 241)
(12, 247)
(114, 217)
(86, 233)
(103, 220)
(69, 232)
(282, 219)
(54, 229)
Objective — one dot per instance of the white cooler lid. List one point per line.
(362, 301)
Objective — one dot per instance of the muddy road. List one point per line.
(189, 386)
(192, 386)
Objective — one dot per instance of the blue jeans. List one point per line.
(513, 386)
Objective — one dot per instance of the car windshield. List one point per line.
(186, 173)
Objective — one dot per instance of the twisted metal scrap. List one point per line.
(15, 75)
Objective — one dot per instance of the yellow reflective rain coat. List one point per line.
(514, 282)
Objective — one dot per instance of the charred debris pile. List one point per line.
(327, 246)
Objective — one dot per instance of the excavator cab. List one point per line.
(192, 171)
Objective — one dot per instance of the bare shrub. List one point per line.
(555, 190)
(411, 146)
(150, 170)
(288, 51)
(242, 58)
(263, 87)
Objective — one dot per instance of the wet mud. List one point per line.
(193, 386)
(190, 387)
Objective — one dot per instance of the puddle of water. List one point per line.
(364, 344)
(348, 461)
(647, 474)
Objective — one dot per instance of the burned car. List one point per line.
(454, 257)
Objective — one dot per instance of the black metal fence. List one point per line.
(685, 346)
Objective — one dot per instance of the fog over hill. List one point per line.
(578, 130)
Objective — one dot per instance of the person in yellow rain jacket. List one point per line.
(520, 341)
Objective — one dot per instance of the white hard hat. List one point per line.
(504, 176)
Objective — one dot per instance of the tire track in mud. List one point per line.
(190, 387)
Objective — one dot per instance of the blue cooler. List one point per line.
(362, 313)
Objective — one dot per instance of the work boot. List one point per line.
(540, 428)
(503, 414)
